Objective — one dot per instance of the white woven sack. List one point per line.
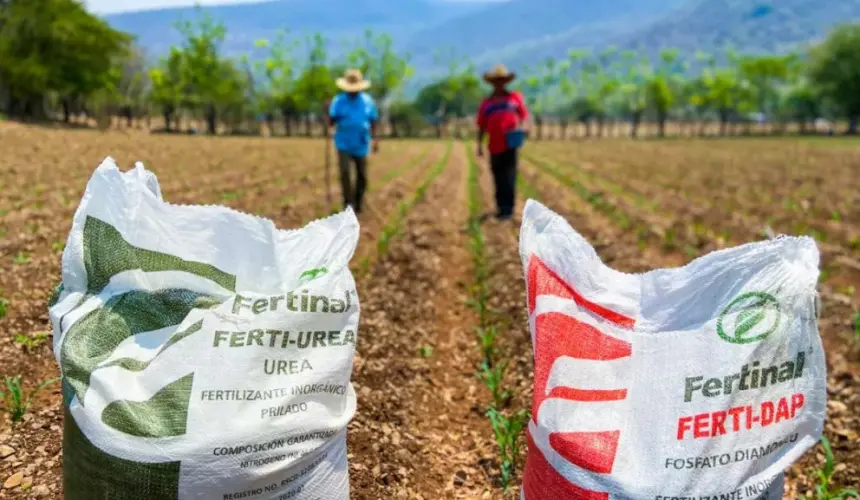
(702, 382)
(205, 354)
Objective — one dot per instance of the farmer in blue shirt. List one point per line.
(354, 114)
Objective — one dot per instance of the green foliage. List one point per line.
(4, 307)
(856, 329)
(487, 337)
(493, 377)
(31, 342)
(507, 430)
(375, 56)
(13, 400)
(21, 258)
(834, 67)
(825, 476)
(56, 46)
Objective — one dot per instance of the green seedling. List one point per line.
(426, 351)
(31, 342)
(836, 216)
(669, 239)
(58, 246)
(4, 307)
(493, 378)
(230, 196)
(857, 329)
(507, 431)
(21, 258)
(2, 232)
(825, 476)
(13, 400)
(487, 336)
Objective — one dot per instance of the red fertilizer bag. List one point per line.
(702, 382)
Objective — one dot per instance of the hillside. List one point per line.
(337, 19)
(522, 31)
(754, 26)
(517, 32)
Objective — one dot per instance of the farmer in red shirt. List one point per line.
(500, 116)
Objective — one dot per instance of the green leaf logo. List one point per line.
(750, 317)
(312, 274)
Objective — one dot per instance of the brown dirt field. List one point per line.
(420, 431)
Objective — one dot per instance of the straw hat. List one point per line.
(499, 73)
(352, 81)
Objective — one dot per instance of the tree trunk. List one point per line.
(67, 111)
(587, 124)
(600, 126)
(211, 120)
(539, 123)
(635, 120)
(724, 122)
(307, 125)
(288, 123)
(661, 124)
(270, 123)
(166, 115)
(802, 125)
(852, 126)
(129, 116)
(563, 124)
(392, 122)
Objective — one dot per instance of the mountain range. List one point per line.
(517, 32)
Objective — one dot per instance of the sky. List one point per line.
(112, 6)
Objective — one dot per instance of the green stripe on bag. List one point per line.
(107, 253)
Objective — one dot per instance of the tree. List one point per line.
(210, 80)
(834, 67)
(801, 103)
(315, 85)
(662, 87)
(56, 46)
(279, 82)
(134, 84)
(633, 90)
(385, 68)
(168, 86)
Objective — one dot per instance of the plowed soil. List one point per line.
(421, 431)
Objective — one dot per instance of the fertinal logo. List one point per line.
(750, 317)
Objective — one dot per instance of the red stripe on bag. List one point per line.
(588, 395)
(542, 482)
(558, 335)
(594, 451)
(543, 281)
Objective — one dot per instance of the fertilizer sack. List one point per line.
(703, 382)
(204, 353)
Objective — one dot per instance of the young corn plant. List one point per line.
(856, 329)
(13, 400)
(825, 476)
(487, 336)
(31, 342)
(21, 258)
(493, 378)
(4, 307)
(507, 431)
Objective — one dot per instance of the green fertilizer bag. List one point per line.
(205, 354)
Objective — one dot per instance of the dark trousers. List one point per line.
(504, 167)
(352, 197)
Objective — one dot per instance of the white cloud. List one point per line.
(112, 6)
